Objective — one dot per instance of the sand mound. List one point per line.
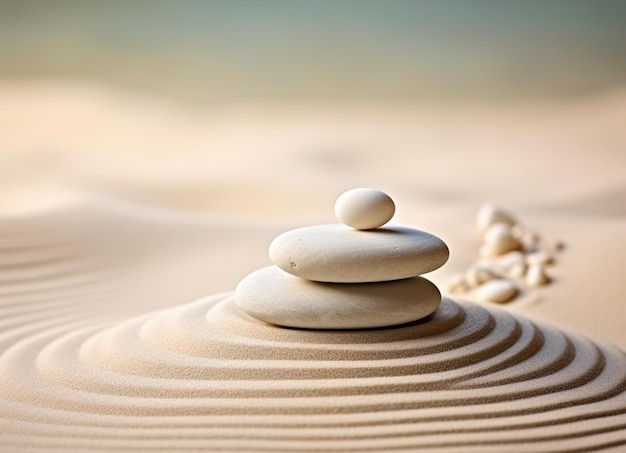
(204, 376)
(87, 364)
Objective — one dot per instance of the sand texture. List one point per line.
(118, 328)
(204, 376)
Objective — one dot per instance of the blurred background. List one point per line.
(197, 103)
(348, 50)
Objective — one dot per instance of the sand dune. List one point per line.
(83, 368)
(468, 377)
(118, 331)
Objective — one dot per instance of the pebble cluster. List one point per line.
(511, 258)
(347, 276)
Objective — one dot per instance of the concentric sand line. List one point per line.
(203, 376)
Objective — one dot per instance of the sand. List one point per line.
(127, 222)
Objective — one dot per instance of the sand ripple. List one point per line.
(212, 378)
(203, 376)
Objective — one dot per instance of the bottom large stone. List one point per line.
(277, 297)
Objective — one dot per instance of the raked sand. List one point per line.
(118, 330)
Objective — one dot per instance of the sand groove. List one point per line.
(203, 376)
(485, 379)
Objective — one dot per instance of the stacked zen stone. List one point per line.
(347, 276)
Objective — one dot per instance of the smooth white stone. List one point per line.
(537, 276)
(276, 297)
(510, 259)
(497, 249)
(512, 264)
(517, 270)
(530, 241)
(539, 257)
(499, 239)
(339, 254)
(364, 208)
(497, 290)
(496, 232)
(488, 214)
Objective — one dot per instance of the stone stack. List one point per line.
(352, 275)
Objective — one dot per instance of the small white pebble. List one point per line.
(364, 209)
(530, 241)
(489, 252)
(497, 290)
(539, 257)
(499, 239)
(496, 231)
(537, 276)
(478, 274)
(516, 271)
(511, 264)
(488, 214)
(510, 258)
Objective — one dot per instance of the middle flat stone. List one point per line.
(339, 254)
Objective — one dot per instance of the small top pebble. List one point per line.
(364, 208)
